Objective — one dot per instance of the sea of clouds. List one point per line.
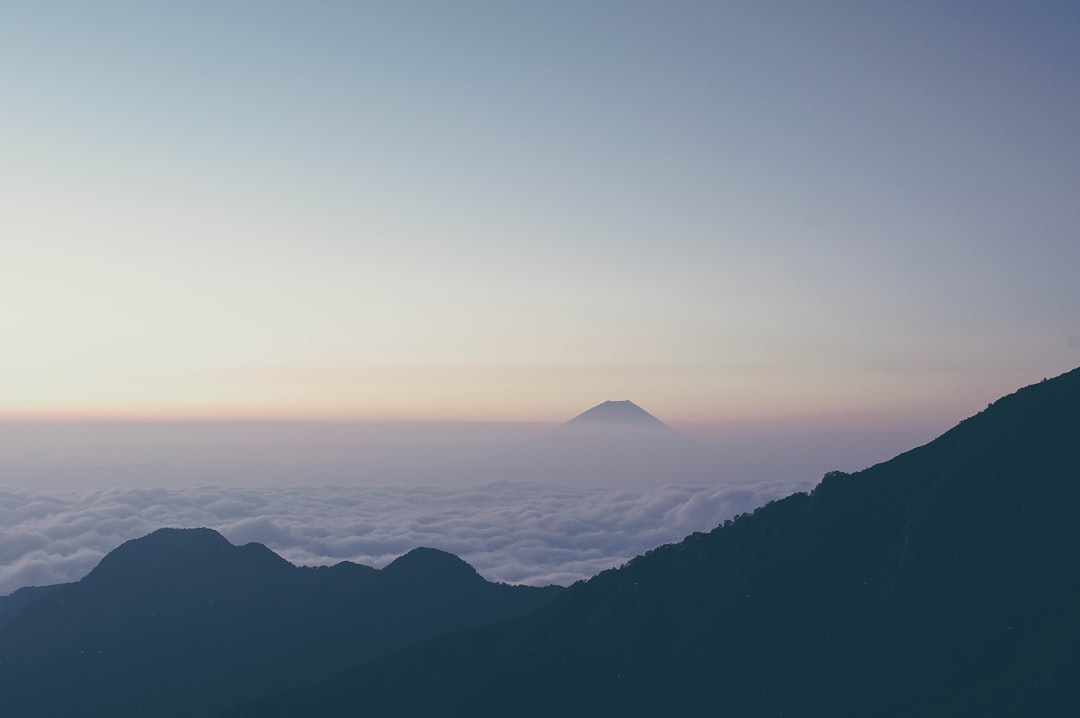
(320, 493)
(514, 532)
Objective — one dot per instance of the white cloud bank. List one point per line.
(514, 532)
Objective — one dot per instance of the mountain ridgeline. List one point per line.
(183, 623)
(940, 583)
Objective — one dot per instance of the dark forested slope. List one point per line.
(183, 623)
(942, 582)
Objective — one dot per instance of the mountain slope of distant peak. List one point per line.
(622, 414)
(939, 583)
(614, 443)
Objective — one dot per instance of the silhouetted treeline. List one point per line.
(183, 623)
(940, 583)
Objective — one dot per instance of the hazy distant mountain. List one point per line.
(940, 583)
(611, 443)
(617, 415)
(183, 623)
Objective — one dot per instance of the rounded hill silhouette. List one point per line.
(182, 623)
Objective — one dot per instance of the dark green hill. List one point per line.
(941, 583)
(13, 604)
(183, 623)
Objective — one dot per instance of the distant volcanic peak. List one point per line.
(617, 414)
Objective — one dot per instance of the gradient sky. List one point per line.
(728, 212)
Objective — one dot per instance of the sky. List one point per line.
(356, 247)
(850, 214)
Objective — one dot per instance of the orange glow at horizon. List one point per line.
(486, 394)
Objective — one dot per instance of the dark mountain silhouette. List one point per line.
(183, 623)
(940, 583)
(432, 567)
(11, 605)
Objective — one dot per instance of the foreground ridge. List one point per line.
(183, 623)
(937, 583)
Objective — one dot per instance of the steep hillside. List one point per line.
(939, 583)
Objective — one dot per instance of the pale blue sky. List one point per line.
(727, 212)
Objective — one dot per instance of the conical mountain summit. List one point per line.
(615, 442)
(617, 414)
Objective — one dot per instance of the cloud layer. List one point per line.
(514, 532)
